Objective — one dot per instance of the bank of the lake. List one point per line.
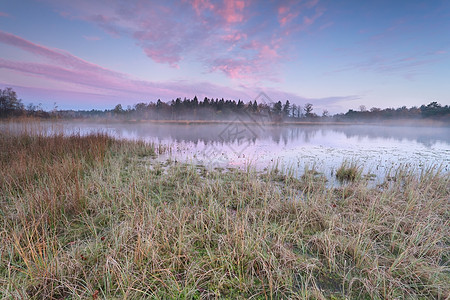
(380, 150)
(96, 217)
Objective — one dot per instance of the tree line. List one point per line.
(212, 109)
(221, 109)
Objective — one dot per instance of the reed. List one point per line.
(348, 172)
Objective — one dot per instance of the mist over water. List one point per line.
(377, 148)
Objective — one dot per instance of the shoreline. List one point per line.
(394, 123)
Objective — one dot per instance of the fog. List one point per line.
(379, 149)
(210, 133)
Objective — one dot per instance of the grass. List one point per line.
(92, 217)
(348, 172)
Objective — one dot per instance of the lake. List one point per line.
(379, 149)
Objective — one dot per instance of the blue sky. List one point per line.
(337, 55)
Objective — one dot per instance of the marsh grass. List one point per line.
(348, 172)
(90, 216)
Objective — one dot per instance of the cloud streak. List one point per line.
(64, 67)
(96, 82)
(408, 66)
(213, 32)
(59, 56)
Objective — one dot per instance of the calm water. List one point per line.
(378, 148)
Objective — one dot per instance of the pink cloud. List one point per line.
(286, 15)
(259, 66)
(288, 18)
(283, 10)
(59, 56)
(235, 37)
(67, 68)
(267, 52)
(3, 14)
(58, 73)
(253, 45)
(297, 16)
(232, 11)
(159, 48)
(64, 67)
(166, 55)
(205, 30)
(69, 77)
(237, 68)
(120, 85)
(200, 5)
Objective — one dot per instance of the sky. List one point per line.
(337, 55)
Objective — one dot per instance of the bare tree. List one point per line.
(308, 109)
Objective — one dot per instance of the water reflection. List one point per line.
(378, 148)
(424, 135)
(278, 134)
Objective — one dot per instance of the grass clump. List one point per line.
(88, 217)
(348, 172)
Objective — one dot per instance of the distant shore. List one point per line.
(399, 122)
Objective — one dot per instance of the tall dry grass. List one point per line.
(92, 217)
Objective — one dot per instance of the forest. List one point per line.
(221, 109)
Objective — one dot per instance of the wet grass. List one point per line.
(92, 217)
(348, 172)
